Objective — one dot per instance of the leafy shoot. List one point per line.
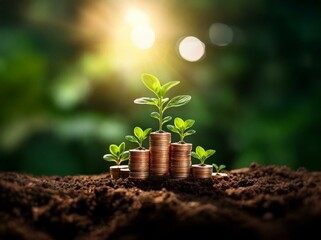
(139, 136)
(218, 168)
(181, 128)
(117, 154)
(160, 102)
(202, 155)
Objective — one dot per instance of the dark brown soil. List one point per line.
(259, 202)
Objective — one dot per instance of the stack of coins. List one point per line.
(159, 146)
(202, 171)
(138, 164)
(124, 173)
(115, 171)
(180, 160)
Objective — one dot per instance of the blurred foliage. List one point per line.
(67, 84)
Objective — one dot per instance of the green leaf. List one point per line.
(114, 150)
(209, 153)
(155, 115)
(221, 167)
(179, 123)
(124, 156)
(178, 101)
(164, 100)
(121, 147)
(164, 89)
(200, 152)
(189, 132)
(189, 123)
(147, 132)
(147, 101)
(131, 139)
(109, 158)
(152, 83)
(215, 166)
(167, 119)
(194, 155)
(138, 132)
(172, 128)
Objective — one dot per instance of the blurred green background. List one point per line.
(69, 73)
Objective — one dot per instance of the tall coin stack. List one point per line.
(180, 160)
(159, 146)
(138, 164)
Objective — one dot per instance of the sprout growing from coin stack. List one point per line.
(163, 157)
(139, 157)
(117, 155)
(202, 170)
(160, 140)
(180, 154)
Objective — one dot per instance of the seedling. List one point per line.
(202, 155)
(162, 103)
(218, 168)
(180, 127)
(117, 154)
(140, 136)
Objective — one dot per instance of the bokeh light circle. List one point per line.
(143, 36)
(191, 49)
(220, 34)
(136, 17)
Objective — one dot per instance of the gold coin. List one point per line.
(159, 163)
(138, 175)
(158, 169)
(138, 159)
(180, 166)
(202, 171)
(182, 153)
(115, 170)
(181, 146)
(183, 160)
(159, 174)
(181, 175)
(124, 173)
(139, 169)
(187, 169)
(164, 135)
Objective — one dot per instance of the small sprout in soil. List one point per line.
(180, 127)
(140, 136)
(218, 168)
(162, 103)
(117, 154)
(202, 155)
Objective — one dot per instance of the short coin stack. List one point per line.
(202, 171)
(159, 153)
(124, 173)
(138, 164)
(115, 171)
(180, 160)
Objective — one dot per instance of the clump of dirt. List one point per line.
(259, 202)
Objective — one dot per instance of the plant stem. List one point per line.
(160, 108)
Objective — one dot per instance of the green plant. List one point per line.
(162, 103)
(140, 136)
(218, 168)
(202, 155)
(117, 154)
(180, 127)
